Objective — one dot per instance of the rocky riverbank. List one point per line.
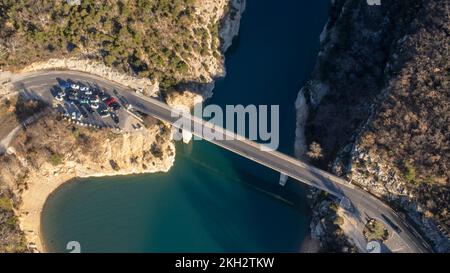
(377, 107)
(187, 94)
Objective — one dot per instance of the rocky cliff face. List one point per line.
(379, 105)
(231, 22)
(52, 146)
(227, 21)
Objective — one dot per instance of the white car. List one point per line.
(94, 100)
(94, 105)
(83, 88)
(61, 92)
(88, 91)
(105, 114)
(59, 98)
(75, 86)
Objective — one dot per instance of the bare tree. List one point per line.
(315, 151)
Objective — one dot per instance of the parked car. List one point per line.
(94, 105)
(104, 113)
(110, 101)
(84, 100)
(115, 118)
(75, 86)
(95, 91)
(58, 91)
(104, 96)
(79, 116)
(72, 98)
(61, 93)
(73, 92)
(115, 106)
(59, 98)
(65, 85)
(94, 100)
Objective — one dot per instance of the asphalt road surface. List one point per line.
(365, 206)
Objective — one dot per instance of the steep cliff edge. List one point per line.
(379, 106)
(227, 25)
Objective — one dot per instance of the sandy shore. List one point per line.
(41, 187)
(33, 200)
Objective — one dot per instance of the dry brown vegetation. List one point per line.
(12, 238)
(411, 129)
(8, 118)
(46, 146)
(388, 73)
(15, 110)
(37, 146)
(353, 65)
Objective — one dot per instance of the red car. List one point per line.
(110, 101)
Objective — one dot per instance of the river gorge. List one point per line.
(211, 200)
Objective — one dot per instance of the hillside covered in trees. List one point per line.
(380, 106)
(150, 38)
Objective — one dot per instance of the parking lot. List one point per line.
(87, 104)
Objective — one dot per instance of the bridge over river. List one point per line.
(363, 204)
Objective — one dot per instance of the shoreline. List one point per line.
(40, 189)
(30, 211)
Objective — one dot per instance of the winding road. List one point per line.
(364, 205)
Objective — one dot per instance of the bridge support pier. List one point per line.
(187, 136)
(283, 179)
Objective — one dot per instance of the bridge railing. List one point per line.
(233, 136)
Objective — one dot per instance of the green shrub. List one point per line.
(410, 173)
(56, 159)
(5, 203)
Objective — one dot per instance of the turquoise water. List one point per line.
(211, 200)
